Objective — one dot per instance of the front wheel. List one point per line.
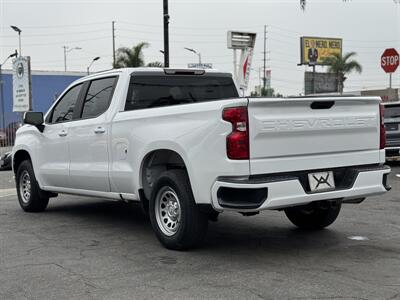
(175, 218)
(316, 215)
(31, 198)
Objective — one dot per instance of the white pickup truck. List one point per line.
(185, 145)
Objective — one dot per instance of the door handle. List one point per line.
(63, 133)
(99, 130)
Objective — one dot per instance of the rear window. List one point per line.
(392, 112)
(155, 91)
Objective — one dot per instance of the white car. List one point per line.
(185, 145)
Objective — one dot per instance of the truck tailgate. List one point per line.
(312, 133)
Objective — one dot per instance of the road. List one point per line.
(83, 248)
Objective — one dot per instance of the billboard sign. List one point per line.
(313, 50)
(200, 66)
(245, 67)
(241, 40)
(22, 91)
(319, 83)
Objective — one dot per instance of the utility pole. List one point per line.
(113, 42)
(265, 57)
(166, 34)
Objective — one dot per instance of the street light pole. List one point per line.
(65, 58)
(68, 49)
(15, 28)
(113, 42)
(94, 59)
(195, 52)
(3, 121)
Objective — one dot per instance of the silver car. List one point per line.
(392, 125)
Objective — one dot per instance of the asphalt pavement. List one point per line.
(85, 248)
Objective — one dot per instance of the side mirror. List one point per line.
(33, 118)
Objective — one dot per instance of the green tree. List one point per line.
(342, 65)
(267, 92)
(155, 64)
(130, 57)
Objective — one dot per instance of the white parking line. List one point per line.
(7, 192)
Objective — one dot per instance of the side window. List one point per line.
(98, 97)
(64, 110)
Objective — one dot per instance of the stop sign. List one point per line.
(390, 60)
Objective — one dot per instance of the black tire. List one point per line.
(37, 200)
(314, 216)
(192, 224)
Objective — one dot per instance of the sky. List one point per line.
(366, 27)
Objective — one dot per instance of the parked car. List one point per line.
(392, 125)
(187, 147)
(5, 161)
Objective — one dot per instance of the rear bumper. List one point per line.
(285, 190)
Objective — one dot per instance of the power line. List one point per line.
(188, 28)
(70, 59)
(159, 32)
(60, 43)
(57, 26)
(56, 34)
(173, 41)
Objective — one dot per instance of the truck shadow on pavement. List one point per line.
(101, 212)
(269, 231)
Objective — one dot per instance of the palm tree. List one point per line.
(130, 57)
(342, 65)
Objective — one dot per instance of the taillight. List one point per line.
(237, 142)
(382, 127)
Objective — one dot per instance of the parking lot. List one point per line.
(84, 248)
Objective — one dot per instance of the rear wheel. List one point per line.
(176, 220)
(31, 198)
(316, 215)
